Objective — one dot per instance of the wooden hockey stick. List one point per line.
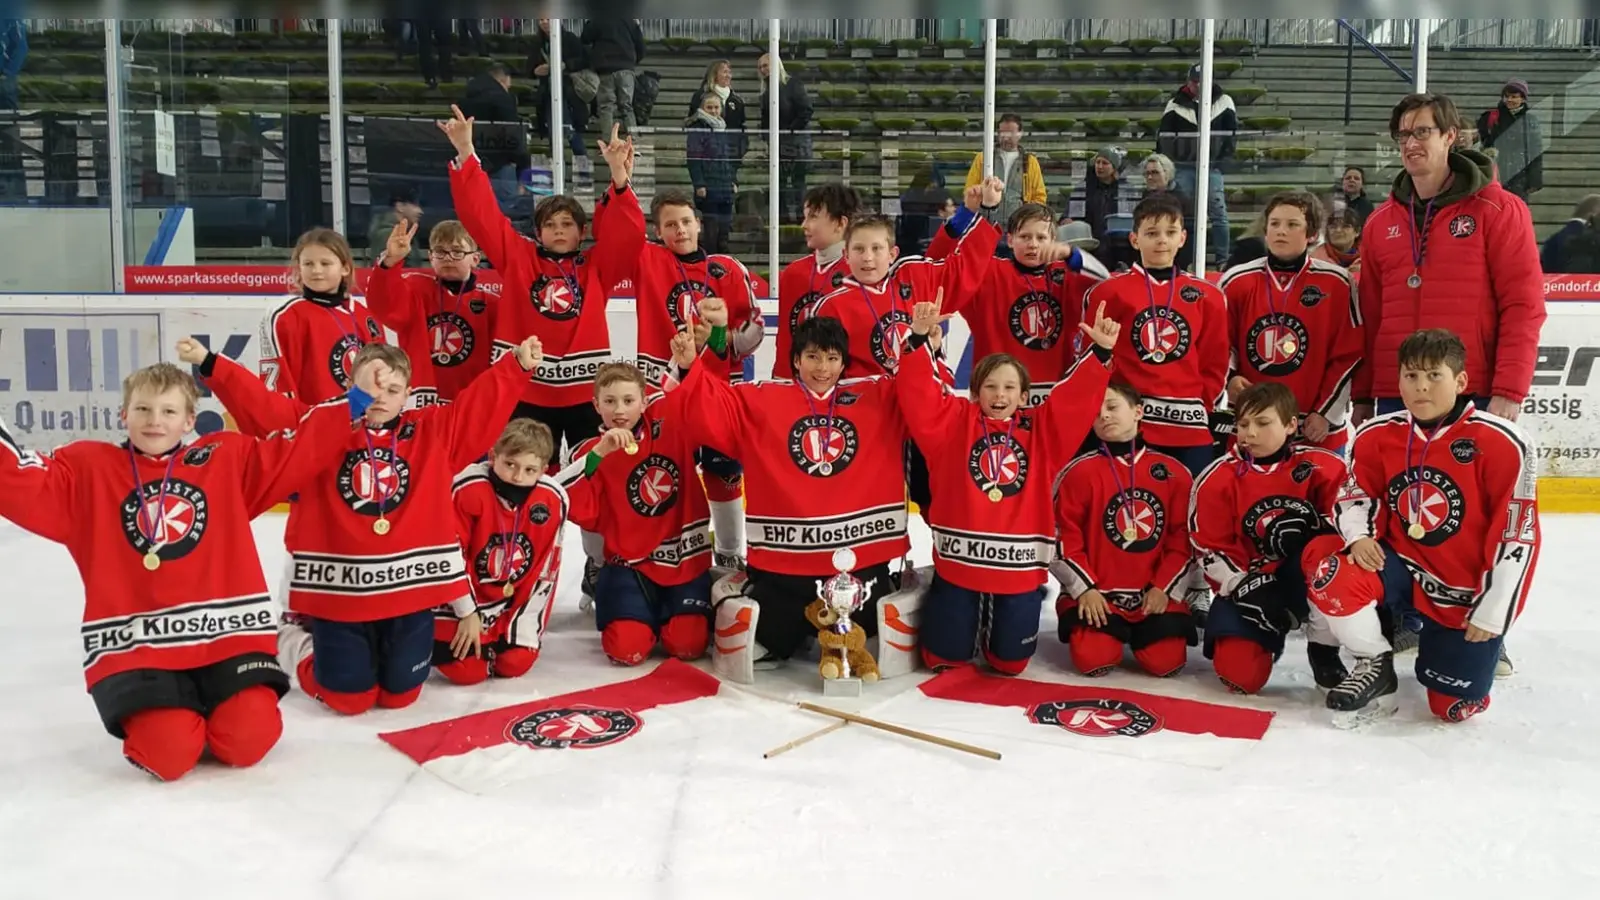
(902, 731)
(801, 740)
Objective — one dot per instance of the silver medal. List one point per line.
(825, 468)
(1158, 356)
(1414, 282)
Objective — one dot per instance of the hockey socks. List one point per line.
(727, 522)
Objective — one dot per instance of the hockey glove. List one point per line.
(1221, 424)
(1288, 534)
(1260, 602)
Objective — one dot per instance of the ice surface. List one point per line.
(1508, 803)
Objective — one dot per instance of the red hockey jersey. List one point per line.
(308, 352)
(1235, 502)
(343, 569)
(446, 329)
(649, 507)
(800, 285)
(561, 297)
(1302, 331)
(1030, 312)
(878, 317)
(1174, 351)
(820, 472)
(516, 545)
(1474, 497)
(1123, 515)
(207, 601)
(993, 528)
(668, 288)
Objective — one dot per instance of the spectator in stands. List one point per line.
(1016, 167)
(471, 31)
(713, 169)
(1511, 134)
(1178, 139)
(433, 38)
(503, 152)
(1251, 245)
(1160, 178)
(13, 51)
(615, 47)
(1102, 188)
(921, 211)
(719, 80)
(1575, 249)
(794, 141)
(1351, 193)
(1344, 239)
(574, 111)
(402, 205)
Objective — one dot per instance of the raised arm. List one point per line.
(256, 410)
(619, 243)
(36, 490)
(1069, 410)
(931, 413)
(387, 296)
(479, 414)
(475, 202)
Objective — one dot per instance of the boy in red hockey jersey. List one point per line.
(511, 516)
(1176, 355)
(992, 463)
(651, 513)
(1295, 320)
(1030, 300)
(1453, 532)
(178, 630)
(829, 210)
(1251, 516)
(444, 318)
(550, 288)
(375, 546)
(874, 303)
(824, 456)
(1122, 513)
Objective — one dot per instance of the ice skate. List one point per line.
(733, 562)
(1367, 694)
(1503, 668)
(591, 572)
(1326, 667)
(1405, 641)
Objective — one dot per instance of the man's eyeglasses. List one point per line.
(1420, 133)
(453, 255)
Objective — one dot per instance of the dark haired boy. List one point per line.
(1251, 515)
(1451, 530)
(829, 210)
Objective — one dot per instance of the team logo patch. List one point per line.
(797, 313)
(553, 298)
(716, 269)
(366, 479)
(653, 486)
(655, 429)
(172, 526)
(477, 305)
(1097, 718)
(1142, 515)
(1161, 331)
(1035, 320)
(342, 359)
(1302, 472)
(1434, 501)
(1189, 293)
(1276, 344)
(199, 456)
(1311, 295)
(539, 515)
(846, 398)
(1465, 450)
(407, 431)
(451, 338)
(683, 301)
(574, 728)
(1326, 572)
(1058, 276)
(1463, 226)
(905, 290)
(1159, 472)
(492, 561)
(1259, 517)
(997, 461)
(822, 446)
(889, 334)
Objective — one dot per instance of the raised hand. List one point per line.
(994, 190)
(530, 353)
(683, 349)
(925, 315)
(399, 245)
(1104, 331)
(618, 155)
(713, 311)
(613, 440)
(459, 131)
(371, 375)
(191, 351)
(973, 198)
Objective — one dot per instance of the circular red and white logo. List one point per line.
(1162, 332)
(1035, 320)
(1463, 226)
(823, 446)
(889, 334)
(574, 728)
(493, 564)
(653, 485)
(1141, 514)
(554, 299)
(997, 461)
(368, 480)
(171, 525)
(1435, 502)
(342, 360)
(1276, 344)
(451, 339)
(1097, 718)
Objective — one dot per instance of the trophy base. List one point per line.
(841, 687)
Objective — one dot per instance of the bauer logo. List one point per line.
(574, 728)
(1096, 718)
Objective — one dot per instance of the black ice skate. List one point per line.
(1367, 694)
(1326, 667)
(591, 572)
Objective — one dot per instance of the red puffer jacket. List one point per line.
(1480, 279)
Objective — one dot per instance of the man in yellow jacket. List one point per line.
(1018, 168)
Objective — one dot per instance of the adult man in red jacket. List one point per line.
(1451, 248)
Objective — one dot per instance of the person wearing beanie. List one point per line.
(1511, 133)
(1102, 185)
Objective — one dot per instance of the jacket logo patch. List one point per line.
(821, 446)
(1465, 450)
(997, 461)
(1035, 320)
(846, 398)
(1140, 515)
(169, 523)
(199, 456)
(1058, 276)
(1463, 226)
(683, 301)
(342, 360)
(1392, 233)
(1159, 472)
(889, 334)
(368, 481)
(838, 278)
(1160, 335)
(1311, 295)
(407, 431)
(554, 298)
(451, 338)
(716, 269)
(1189, 293)
(373, 329)
(539, 514)
(477, 305)
(1434, 501)
(502, 560)
(653, 486)
(1276, 344)
(905, 290)
(1302, 473)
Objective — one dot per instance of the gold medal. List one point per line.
(381, 526)
(1416, 531)
(1415, 281)
(152, 561)
(631, 449)
(508, 589)
(1289, 346)
(1130, 534)
(1158, 356)
(995, 496)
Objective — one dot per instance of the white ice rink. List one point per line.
(1504, 806)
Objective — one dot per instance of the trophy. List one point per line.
(845, 660)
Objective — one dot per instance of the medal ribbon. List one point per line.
(1172, 294)
(693, 312)
(1419, 243)
(147, 529)
(878, 328)
(1415, 488)
(1125, 496)
(508, 539)
(833, 396)
(993, 453)
(1288, 289)
(372, 462)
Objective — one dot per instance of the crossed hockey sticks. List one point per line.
(846, 718)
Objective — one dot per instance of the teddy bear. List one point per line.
(843, 644)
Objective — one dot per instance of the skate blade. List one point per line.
(1381, 708)
(767, 665)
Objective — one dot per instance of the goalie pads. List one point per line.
(734, 637)
(899, 621)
